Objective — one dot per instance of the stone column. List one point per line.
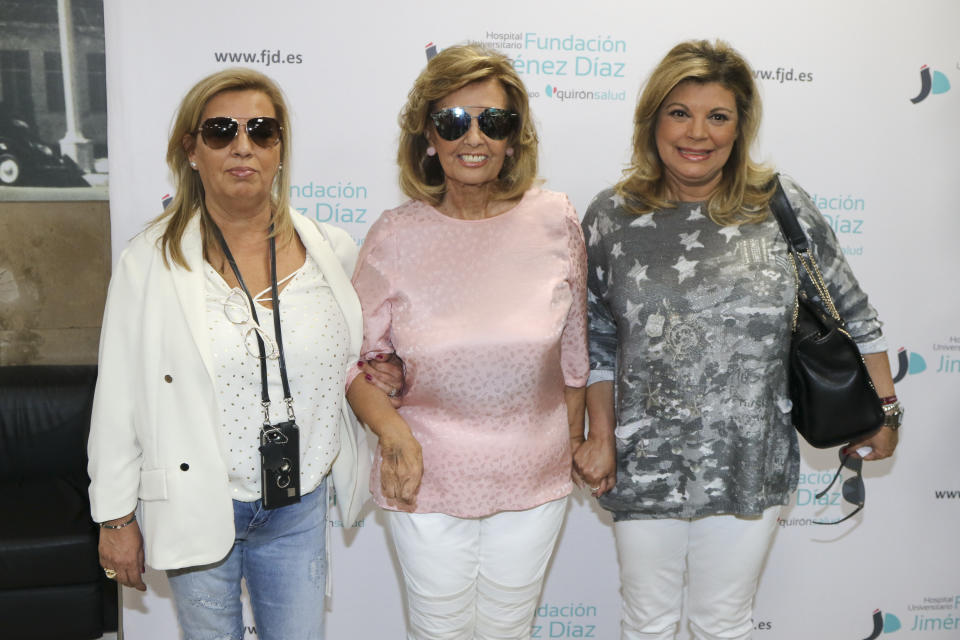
(73, 143)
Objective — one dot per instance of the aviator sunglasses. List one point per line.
(220, 131)
(852, 488)
(454, 122)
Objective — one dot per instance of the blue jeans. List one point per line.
(282, 555)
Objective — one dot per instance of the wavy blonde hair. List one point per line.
(421, 176)
(745, 187)
(188, 198)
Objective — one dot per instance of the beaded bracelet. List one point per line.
(104, 525)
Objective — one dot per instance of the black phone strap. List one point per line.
(274, 292)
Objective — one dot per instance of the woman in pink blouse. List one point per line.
(477, 283)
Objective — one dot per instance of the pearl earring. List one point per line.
(431, 151)
(193, 165)
(509, 152)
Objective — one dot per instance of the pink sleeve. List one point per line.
(574, 355)
(371, 279)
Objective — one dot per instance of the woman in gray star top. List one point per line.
(691, 292)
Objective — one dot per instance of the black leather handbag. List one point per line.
(834, 401)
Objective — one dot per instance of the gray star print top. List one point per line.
(692, 322)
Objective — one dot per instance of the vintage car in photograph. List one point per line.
(26, 160)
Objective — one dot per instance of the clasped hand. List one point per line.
(595, 463)
(401, 469)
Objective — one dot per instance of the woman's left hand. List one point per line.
(595, 460)
(386, 373)
(883, 443)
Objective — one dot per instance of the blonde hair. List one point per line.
(421, 176)
(188, 198)
(745, 187)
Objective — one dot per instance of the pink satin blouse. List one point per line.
(489, 317)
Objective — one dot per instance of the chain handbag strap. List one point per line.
(800, 250)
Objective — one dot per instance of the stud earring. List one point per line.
(509, 152)
(280, 167)
(431, 151)
(193, 165)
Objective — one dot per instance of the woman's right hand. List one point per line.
(122, 551)
(596, 462)
(596, 459)
(401, 469)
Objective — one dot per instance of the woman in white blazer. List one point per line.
(182, 447)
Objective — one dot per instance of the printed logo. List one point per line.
(565, 621)
(166, 199)
(562, 57)
(883, 624)
(908, 362)
(938, 83)
(337, 203)
(931, 613)
(553, 91)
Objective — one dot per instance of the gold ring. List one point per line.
(110, 573)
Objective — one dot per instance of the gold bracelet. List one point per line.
(104, 525)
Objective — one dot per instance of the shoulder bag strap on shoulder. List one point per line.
(787, 218)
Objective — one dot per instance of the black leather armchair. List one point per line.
(51, 583)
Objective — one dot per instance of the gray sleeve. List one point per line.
(602, 327)
(850, 300)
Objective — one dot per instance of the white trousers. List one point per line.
(723, 557)
(474, 578)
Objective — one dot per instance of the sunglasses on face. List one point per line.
(220, 131)
(852, 489)
(454, 122)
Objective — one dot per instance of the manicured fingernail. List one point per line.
(360, 363)
(368, 377)
(379, 356)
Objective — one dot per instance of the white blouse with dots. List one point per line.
(315, 343)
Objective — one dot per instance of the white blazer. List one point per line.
(155, 436)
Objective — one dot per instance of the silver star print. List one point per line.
(730, 231)
(633, 310)
(638, 271)
(689, 240)
(594, 232)
(644, 220)
(616, 251)
(696, 215)
(685, 268)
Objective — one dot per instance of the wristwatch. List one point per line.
(893, 415)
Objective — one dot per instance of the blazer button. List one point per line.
(184, 466)
(168, 378)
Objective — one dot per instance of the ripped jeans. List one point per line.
(282, 555)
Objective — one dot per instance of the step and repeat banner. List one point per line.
(861, 106)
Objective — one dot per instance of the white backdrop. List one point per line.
(837, 80)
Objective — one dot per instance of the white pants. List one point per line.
(723, 556)
(472, 578)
